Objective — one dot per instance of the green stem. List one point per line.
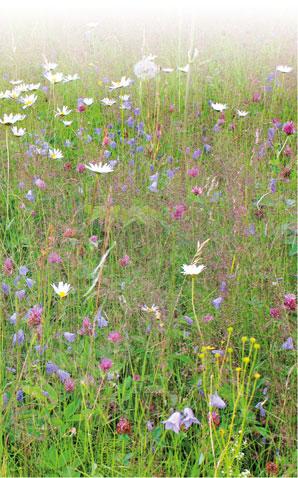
(8, 176)
(280, 151)
(193, 307)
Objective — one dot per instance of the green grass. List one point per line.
(75, 433)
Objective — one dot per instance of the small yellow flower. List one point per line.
(257, 346)
(252, 340)
(201, 356)
(217, 356)
(230, 330)
(246, 359)
(238, 369)
(244, 339)
(257, 375)
(230, 350)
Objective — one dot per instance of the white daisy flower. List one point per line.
(284, 68)
(4, 95)
(154, 308)
(120, 84)
(63, 112)
(218, 107)
(61, 289)
(69, 78)
(192, 269)
(167, 70)
(21, 88)
(242, 114)
(18, 132)
(184, 69)
(33, 86)
(28, 100)
(67, 123)
(88, 101)
(53, 77)
(11, 118)
(124, 97)
(48, 66)
(13, 94)
(55, 154)
(107, 102)
(100, 168)
(16, 82)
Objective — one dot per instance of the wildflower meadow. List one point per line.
(148, 246)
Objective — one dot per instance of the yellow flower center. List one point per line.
(62, 294)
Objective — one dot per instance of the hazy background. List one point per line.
(132, 28)
(214, 7)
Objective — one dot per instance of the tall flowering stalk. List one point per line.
(238, 389)
(9, 120)
(288, 129)
(8, 176)
(193, 270)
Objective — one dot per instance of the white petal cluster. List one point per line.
(242, 114)
(55, 154)
(100, 168)
(120, 84)
(219, 107)
(284, 69)
(61, 289)
(64, 111)
(108, 101)
(11, 118)
(192, 269)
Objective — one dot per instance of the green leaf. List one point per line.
(127, 458)
(35, 392)
(263, 431)
(53, 396)
(69, 472)
(156, 434)
(294, 250)
(70, 409)
(126, 389)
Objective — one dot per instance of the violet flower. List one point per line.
(217, 401)
(69, 336)
(189, 418)
(18, 337)
(288, 344)
(173, 422)
(217, 302)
